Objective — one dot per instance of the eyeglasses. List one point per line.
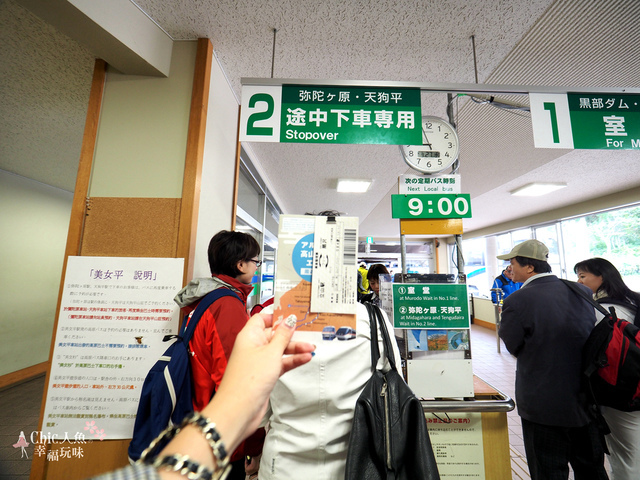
(257, 262)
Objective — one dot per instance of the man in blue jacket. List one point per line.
(545, 325)
(504, 282)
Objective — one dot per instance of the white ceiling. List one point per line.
(572, 43)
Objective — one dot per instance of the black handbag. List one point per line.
(389, 437)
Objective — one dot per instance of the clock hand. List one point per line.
(426, 139)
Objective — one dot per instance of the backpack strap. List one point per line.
(578, 291)
(634, 310)
(206, 301)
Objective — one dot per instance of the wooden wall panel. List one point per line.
(131, 227)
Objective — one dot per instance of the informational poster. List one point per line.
(114, 314)
(456, 439)
(326, 271)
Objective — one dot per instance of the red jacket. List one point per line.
(211, 345)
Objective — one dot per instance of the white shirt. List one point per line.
(311, 408)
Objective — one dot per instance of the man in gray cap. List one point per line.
(544, 325)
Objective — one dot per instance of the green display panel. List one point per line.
(440, 205)
(434, 305)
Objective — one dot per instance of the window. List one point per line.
(612, 234)
(258, 215)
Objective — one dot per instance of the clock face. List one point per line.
(439, 149)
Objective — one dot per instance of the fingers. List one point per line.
(283, 332)
(292, 361)
(262, 320)
(299, 347)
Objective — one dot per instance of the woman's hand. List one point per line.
(255, 365)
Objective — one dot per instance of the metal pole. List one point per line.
(498, 312)
(403, 256)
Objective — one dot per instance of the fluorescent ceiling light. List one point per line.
(536, 189)
(349, 185)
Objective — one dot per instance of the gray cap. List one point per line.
(530, 249)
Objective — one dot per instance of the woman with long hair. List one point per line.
(609, 289)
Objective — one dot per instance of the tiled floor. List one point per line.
(499, 370)
(19, 412)
(20, 408)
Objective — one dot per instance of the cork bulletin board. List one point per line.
(131, 227)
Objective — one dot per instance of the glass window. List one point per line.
(548, 235)
(474, 251)
(519, 236)
(613, 235)
(258, 215)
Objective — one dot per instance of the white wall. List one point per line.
(142, 136)
(34, 222)
(218, 168)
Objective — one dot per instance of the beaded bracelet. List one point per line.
(182, 463)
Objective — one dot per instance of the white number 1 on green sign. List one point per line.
(551, 107)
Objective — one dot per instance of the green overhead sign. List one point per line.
(331, 114)
(606, 121)
(439, 205)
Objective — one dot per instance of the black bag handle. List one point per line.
(375, 352)
(375, 316)
(578, 291)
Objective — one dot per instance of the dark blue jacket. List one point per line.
(545, 325)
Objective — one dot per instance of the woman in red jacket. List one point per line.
(233, 260)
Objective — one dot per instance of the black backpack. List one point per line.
(167, 395)
(611, 359)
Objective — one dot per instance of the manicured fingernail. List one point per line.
(291, 321)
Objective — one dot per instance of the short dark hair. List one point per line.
(375, 270)
(539, 266)
(227, 248)
(612, 284)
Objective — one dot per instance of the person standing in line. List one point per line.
(545, 325)
(504, 282)
(373, 274)
(609, 289)
(233, 261)
(363, 282)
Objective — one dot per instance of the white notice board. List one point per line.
(113, 315)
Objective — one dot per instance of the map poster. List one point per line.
(114, 314)
(295, 276)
